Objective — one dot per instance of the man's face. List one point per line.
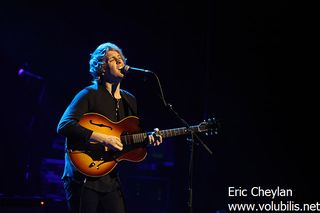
(114, 64)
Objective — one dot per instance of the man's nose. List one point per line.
(118, 61)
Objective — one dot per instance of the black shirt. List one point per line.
(94, 98)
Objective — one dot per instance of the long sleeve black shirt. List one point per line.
(94, 98)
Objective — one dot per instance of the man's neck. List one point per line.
(114, 89)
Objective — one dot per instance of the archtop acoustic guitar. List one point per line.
(97, 160)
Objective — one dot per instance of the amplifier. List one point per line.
(32, 204)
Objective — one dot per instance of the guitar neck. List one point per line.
(174, 132)
(140, 137)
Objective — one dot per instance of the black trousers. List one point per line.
(81, 199)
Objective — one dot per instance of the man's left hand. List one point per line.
(155, 137)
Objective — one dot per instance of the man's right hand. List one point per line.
(110, 141)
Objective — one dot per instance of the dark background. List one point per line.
(241, 62)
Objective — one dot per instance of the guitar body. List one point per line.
(97, 160)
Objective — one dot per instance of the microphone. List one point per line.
(23, 73)
(126, 69)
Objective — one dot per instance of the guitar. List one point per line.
(97, 160)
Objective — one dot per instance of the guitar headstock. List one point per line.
(211, 126)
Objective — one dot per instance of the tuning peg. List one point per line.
(210, 132)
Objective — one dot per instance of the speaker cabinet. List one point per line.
(22, 204)
(19, 204)
(147, 194)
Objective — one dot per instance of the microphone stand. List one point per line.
(191, 147)
(30, 129)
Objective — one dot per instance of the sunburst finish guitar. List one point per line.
(97, 160)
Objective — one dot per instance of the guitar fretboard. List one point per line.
(140, 137)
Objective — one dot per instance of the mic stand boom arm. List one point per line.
(191, 147)
(170, 107)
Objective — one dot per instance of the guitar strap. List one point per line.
(130, 110)
(128, 106)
